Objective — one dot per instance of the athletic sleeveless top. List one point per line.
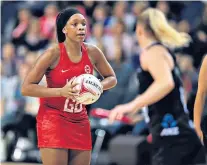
(169, 116)
(58, 77)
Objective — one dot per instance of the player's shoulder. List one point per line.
(91, 48)
(50, 55)
(94, 52)
(158, 49)
(157, 52)
(205, 59)
(53, 51)
(204, 64)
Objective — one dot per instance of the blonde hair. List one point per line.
(158, 24)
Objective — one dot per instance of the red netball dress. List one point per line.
(62, 122)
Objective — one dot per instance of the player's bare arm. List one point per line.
(154, 61)
(102, 66)
(160, 69)
(45, 62)
(201, 95)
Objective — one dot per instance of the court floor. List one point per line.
(103, 159)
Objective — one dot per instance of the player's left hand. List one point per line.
(119, 111)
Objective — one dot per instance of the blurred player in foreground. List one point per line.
(174, 139)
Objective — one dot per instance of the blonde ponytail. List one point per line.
(163, 31)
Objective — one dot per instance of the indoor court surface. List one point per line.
(103, 159)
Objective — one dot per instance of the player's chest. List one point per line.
(65, 72)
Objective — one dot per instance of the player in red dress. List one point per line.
(63, 126)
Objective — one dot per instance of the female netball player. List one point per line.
(174, 140)
(199, 103)
(63, 127)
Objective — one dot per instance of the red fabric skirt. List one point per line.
(56, 131)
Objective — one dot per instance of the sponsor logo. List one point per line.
(93, 84)
(87, 69)
(63, 71)
(169, 125)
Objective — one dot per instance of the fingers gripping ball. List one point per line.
(90, 89)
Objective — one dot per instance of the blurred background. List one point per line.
(28, 29)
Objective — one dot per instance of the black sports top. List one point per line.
(169, 116)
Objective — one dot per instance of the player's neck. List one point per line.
(145, 42)
(72, 48)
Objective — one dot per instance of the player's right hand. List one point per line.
(69, 89)
(199, 133)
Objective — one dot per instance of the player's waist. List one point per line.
(172, 129)
(187, 137)
(53, 100)
(45, 112)
(59, 103)
(57, 109)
